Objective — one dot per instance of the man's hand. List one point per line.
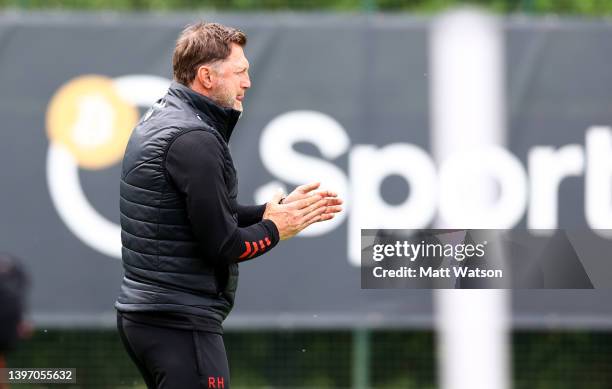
(333, 202)
(301, 208)
(305, 190)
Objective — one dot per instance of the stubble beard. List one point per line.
(225, 98)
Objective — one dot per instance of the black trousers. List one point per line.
(171, 358)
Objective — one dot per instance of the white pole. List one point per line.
(467, 100)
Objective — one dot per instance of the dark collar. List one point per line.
(221, 119)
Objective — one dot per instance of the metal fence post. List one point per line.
(361, 359)
(527, 6)
(368, 5)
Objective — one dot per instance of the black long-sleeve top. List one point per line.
(195, 162)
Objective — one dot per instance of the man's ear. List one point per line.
(205, 76)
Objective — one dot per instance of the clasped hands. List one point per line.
(301, 208)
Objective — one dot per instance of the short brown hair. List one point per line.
(203, 43)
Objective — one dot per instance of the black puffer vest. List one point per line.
(164, 268)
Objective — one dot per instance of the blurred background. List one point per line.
(567, 7)
(335, 84)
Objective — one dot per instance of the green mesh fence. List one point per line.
(289, 359)
(98, 357)
(562, 360)
(274, 359)
(324, 359)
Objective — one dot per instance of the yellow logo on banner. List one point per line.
(91, 120)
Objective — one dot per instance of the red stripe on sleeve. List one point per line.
(256, 249)
(268, 243)
(247, 251)
(261, 245)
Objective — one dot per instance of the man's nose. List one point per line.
(246, 82)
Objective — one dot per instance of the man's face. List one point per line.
(231, 79)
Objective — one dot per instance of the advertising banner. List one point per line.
(339, 99)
